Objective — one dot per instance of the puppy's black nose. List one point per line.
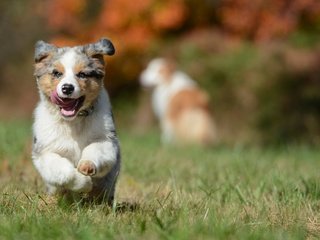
(67, 88)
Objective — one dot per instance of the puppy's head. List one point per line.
(159, 71)
(71, 77)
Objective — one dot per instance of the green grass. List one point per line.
(178, 193)
(13, 137)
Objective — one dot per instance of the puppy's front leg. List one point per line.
(59, 172)
(98, 158)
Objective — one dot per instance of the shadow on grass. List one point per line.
(70, 202)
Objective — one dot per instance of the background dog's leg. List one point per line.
(167, 132)
(60, 172)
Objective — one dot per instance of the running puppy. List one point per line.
(181, 107)
(75, 144)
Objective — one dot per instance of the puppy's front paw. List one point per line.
(87, 168)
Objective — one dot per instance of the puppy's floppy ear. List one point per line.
(103, 47)
(43, 50)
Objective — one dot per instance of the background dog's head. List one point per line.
(71, 77)
(159, 71)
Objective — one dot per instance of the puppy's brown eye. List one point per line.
(56, 73)
(82, 75)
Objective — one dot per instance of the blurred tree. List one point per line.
(135, 26)
(20, 27)
(265, 20)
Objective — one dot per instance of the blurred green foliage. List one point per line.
(270, 91)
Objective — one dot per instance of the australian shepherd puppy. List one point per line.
(75, 147)
(181, 107)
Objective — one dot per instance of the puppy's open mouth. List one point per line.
(69, 107)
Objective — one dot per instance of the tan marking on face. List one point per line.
(89, 87)
(47, 83)
(59, 67)
(80, 66)
(97, 63)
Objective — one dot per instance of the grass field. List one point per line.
(175, 193)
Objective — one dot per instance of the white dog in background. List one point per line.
(75, 144)
(181, 107)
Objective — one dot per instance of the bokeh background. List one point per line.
(259, 60)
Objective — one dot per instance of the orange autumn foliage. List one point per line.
(264, 20)
(64, 15)
(169, 15)
(135, 24)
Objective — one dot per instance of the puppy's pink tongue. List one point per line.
(68, 105)
(68, 113)
(54, 97)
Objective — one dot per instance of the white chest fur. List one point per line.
(69, 138)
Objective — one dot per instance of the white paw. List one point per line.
(51, 190)
(80, 183)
